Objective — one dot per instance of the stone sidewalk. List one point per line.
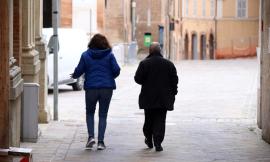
(214, 120)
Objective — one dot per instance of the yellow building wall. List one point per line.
(198, 27)
(236, 38)
(254, 8)
(230, 8)
(233, 36)
(175, 53)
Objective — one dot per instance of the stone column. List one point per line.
(265, 84)
(4, 77)
(4, 73)
(30, 57)
(41, 48)
(16, 81)
(16, 88)
(259, 57)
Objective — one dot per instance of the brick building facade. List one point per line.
(150, 17)
(23, 60)
(214, 29)
(114, 20)
(66, 13)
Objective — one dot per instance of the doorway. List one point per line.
(186, 46)
(211, 46)
(161, 36)
(203, 47)
(195, 55)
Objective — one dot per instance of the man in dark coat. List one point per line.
(159, 80)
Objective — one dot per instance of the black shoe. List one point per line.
(101, 145)
(90, 143)
(159, 148)
(149, 143)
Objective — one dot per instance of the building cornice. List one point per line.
(238, 19)
(222, 18)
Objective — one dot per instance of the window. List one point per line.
(173, 8)
(187, 5)
(241, 8)
(195, 7)
(179, 8)
(203, 8)
(212, 8)
(47, 14)
(219, 9)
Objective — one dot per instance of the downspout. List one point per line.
(215, 42)
(169, 31)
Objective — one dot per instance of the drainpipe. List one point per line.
(215, 45)
(133, 6)
(125, 32)
(169, 31)
(259, 57)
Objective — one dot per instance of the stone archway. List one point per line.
(194, 47)
(186, 46)
(203, 47)
(211, 46)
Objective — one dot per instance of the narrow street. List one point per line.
(214, 119)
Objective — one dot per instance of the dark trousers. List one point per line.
(154, 125)
(103, 97)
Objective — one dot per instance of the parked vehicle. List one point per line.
(72, 42)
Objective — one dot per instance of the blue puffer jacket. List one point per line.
(100, 69)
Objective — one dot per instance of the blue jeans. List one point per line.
(103, 97)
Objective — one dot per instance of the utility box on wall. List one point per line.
(30, 102)
(147, 39)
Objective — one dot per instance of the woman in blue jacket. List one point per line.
(100, 68)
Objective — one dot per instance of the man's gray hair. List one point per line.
(155, 48)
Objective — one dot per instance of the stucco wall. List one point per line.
(237, 38)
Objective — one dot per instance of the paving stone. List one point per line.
(214, 120)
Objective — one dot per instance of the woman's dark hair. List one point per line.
(99, 41)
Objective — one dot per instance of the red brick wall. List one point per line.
(156, 19)
(66, 13)
(4, 75)
(117, 21)
(17, 31)
(235, 52)
(100, 15)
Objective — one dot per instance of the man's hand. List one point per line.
(71, 75)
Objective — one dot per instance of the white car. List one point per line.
(72, 43)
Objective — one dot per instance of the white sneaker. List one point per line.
(90, 143)
(101, 145)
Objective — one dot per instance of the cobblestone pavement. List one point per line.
(214, 120)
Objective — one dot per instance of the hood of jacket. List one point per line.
(98, 53)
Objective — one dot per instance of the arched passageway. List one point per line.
(186, 46)
(211, 46)
(194, 49)
(203, 47)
